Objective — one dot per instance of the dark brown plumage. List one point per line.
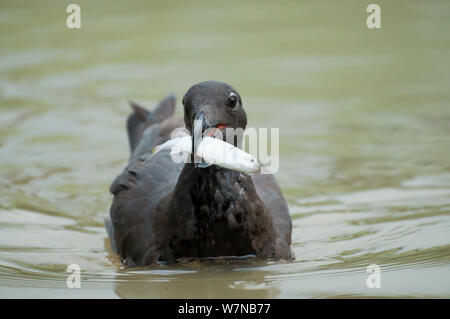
(164, 211)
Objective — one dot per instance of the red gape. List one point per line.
(218, 127)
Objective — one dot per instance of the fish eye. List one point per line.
(232, 100)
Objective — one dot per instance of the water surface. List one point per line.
(364, 125)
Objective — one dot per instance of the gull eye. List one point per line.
(233, 100)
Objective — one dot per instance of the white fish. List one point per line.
(214, 152)
(217, 152)
(177, 145)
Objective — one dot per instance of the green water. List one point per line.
(364, 118)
